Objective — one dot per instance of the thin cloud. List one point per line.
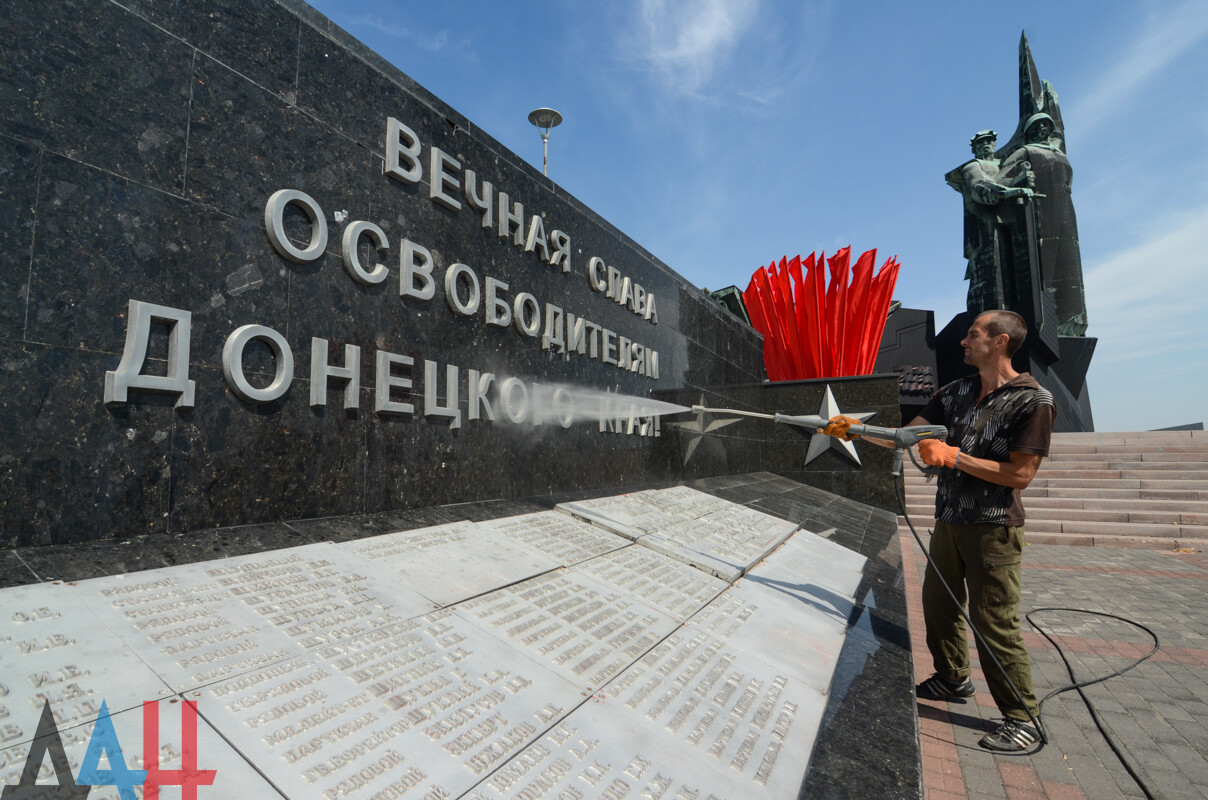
(684, 43)
(440, 42)
(1147, 300)
(1161, 42)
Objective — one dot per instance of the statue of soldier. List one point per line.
(987, 239)
(1041, 164)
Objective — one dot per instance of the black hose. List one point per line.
(1078, 685)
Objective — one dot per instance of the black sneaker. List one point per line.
(937, 688)
(1012, 736)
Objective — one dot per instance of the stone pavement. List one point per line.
(1157, 713)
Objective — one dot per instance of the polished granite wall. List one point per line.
(140, 143)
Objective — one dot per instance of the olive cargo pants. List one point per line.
(982, 566)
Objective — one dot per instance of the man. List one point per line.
(999, 424)
(991, 281)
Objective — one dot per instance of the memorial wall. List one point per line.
(250, 272)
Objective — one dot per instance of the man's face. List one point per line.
(983, 148)
(1039, 132)
(979, 344)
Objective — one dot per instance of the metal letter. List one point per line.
(440, 178)
(320, 371)
(478, 386)
(484, 201)
(593, 273)
(432, 406)
(402, 145)
(610, 346)
(415, 261)
(623, 352)
(531, 327)
(614, 283)
(232, 364)
(138, 331)
(498, 311)
(348, 251)
(536, 237)
(576, 334)
(508, 218)
(382, 403)
(625, 295)
(639, 299)
(638, 362)
(652, 364)
(516, 412)
(554, 327)
(561, 254)
(470, 306)
(274, 211)
(651, 314)
(564, 406)
(593, 339)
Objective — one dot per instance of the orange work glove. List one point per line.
(838, 427)
(937, 454)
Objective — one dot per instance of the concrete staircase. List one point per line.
(1107, 489)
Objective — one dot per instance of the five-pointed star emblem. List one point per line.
(705, 423)
(820, 442)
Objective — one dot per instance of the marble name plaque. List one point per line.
(672, 587)
(683, 501)
(55, 650)
(571, 624)
(786, 630)
(198, 623)
(693, 718)
(808, 560)
(599, 752)
(624, 515)
(449, 563)
(560, 536)
(428, 707)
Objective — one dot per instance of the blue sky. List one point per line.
(722, 134)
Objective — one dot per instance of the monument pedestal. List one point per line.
(1061, 368)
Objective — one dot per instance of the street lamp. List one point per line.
(545, 119)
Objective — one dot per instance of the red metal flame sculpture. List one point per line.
(812, 330)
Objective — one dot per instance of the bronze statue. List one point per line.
(1041, 164)
(1021, 235)
(987, 238)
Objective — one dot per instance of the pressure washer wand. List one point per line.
(902, 438)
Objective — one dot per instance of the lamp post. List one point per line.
(545, 119)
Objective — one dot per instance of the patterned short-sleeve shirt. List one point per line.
(1016, 417)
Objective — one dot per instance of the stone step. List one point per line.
(1129, 448)
(1062, 514)
(1086, 485)
(1047, 473)
(1119, 483)
(1111, 436)
(1137, 466)
(1089, 540)
(1190, 507)
(1130, 458)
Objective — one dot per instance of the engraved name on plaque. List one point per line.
(449, 563)
(575, 626)
(670, 586)
(428, 705)
(53, 649)
(560, 536)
